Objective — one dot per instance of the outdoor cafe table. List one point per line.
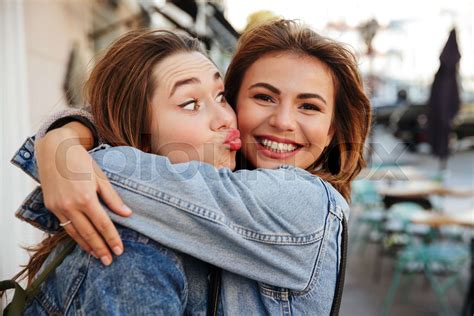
(461, 218)
(418, 192)
(392, 173)
(438, 219)
(413, 189)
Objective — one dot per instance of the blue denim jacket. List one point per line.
(276, 233)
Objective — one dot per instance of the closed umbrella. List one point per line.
(444, 100)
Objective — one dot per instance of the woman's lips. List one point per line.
(274, 155)
(282, 154)
(233, 139)
(277, 139)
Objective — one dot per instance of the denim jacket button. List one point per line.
(26, 155)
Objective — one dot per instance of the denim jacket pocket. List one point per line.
(57, 293)
(279, 301)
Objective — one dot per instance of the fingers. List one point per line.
(75, 235)
(90, 235)
(105, 227)
(91, 227)
(111, 197)
(77, 238)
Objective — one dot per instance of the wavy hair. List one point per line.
(119, 92)
(343, 159)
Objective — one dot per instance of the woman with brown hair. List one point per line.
(144, 81)
(277, 230)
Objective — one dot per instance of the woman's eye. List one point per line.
(263, 97)
(221, 97)
(310, 107)
(191, 105)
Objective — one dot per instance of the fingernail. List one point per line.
(117, 250)
(106, 260)
(126, 208)
(94, 255)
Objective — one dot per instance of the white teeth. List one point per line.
(278, 147)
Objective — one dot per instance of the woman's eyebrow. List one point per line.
(180, 83)
(267, 86)
(311, 96)
(192, 80)
(276, 91)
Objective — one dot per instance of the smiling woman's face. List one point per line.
(190, 118)
(285, 107)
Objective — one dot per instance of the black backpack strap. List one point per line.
(214, 291)
(336, 303)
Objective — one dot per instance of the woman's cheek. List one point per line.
(246, 121)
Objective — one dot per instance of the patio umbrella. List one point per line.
(444, 100)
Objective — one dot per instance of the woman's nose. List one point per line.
(223, 118)
(282, 117)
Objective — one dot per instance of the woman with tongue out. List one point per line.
(274, 226)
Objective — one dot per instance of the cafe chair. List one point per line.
(440, 263)
(370, 215)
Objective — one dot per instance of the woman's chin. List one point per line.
(271, 163)
(227, 161)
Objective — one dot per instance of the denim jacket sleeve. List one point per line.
(267, 225)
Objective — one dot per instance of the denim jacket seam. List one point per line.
(337, 211)
(210, 215)
(321, 251)
(279, 239)
(331, 217)
(318, 263)
(21, 215)
(281, 293)
(31, 217)
(20, 166)
(77, 283)
(44, 300)
(18, 156)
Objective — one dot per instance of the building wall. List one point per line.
(52, 28)
(36, 38)
(15, 123)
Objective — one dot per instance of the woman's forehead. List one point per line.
(181, 66)
(292, 72)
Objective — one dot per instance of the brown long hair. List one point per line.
(120, 87)
(119, 91)
(343, 159)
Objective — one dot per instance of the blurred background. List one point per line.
(411, 226)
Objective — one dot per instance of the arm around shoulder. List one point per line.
(267, 225)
